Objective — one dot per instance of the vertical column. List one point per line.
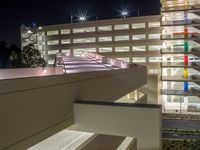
(186, 49)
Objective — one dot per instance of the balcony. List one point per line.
(193, 22)
(181, 36)
(191, 92)
(191, 8)
(175, 65)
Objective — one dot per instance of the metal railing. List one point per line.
(59, 62)
(180, 8)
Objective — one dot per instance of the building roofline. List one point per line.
(104, 21)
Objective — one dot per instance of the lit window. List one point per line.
(105, 28)
(139, 37)
(154, 71)
(53, 42)
(122, 27)
(51, 62)
(54, 32)
(139, 59)
(122, 49)
(155, 59)
(105, 39)
(84, 30)
(139, 48)
(154, 24)
(65, 41)
(40, 47)
(65, 31)
(122, 38)
(127, 59)
(84, 40)
(40, 37)
(138, 25)
(67, 51)
(53, 52)
(80, 51)
(154, 47)
(154, 36)
(105, 49)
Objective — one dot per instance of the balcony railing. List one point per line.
(180, 22)
(180, 8)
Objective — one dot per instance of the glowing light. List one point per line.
(44, 70)
(124, 13)
(82, 18)
(29, 31)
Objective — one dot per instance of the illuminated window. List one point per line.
(66, 41)
(122, 49)
(105, 28)
(127, 59)
(139, 48)
(40, 37)
(105, 39)
(122, 38)
(154, 71)
(105, 49)
(51, 62)
(139, 59)
(67, 51)
(155, 59)
(65, 31)
(54, 32)
(138, 25)
(139, 37)
(84, 30)
(154, 36)
(84, 40)
(154, 24)
(122, 27)
(80, 51)
(154, 47)
(53, 52)
(53, 42)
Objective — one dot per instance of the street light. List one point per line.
(124, 13)
(82, 18)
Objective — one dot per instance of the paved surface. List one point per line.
(180, 136)
(104, 142)
(78, 64)
(181, 124)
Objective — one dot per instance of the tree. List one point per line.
(14, 60)
(4, 53)
(31, 57)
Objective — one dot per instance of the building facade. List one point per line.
(135, 39)
(168, 44)
(180, 47)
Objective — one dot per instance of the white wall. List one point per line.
(140, 122)
(31, 109)
(153, 89)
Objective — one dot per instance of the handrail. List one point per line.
(180, 8)
(96, 57)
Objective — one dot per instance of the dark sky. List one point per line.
(13, 13)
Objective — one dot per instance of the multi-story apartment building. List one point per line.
(134, 39)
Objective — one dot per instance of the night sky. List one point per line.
(13, 13)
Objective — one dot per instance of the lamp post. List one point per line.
(124, 13)
(82, 18)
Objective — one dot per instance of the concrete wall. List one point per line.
(144, 123)
(31, 109)
(152, 89)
